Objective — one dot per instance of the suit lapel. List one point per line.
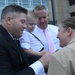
(8, 38)
(9, 41)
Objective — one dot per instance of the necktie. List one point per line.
(18, 46)
(49, 41)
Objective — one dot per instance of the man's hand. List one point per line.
(45, 60)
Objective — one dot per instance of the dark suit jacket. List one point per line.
(13, 61)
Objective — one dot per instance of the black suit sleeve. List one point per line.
(27, 71)
(6, 67)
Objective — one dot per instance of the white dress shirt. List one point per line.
(38, 68)
(53, 31)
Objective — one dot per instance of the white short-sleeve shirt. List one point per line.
(28, 41)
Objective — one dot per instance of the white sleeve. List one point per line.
(25, 41)
(37, 67)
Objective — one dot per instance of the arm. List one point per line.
(6, 67)
(56, 68)
(35, 53)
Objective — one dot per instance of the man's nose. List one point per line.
(42, 20)
(25, 26)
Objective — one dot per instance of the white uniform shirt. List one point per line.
(53, 31)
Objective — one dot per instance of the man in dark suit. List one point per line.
(13, 61)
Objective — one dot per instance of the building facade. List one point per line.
(28, 4)
(58, 9)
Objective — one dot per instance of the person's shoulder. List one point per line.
(52, 26)
(36, 30)
(26, 33)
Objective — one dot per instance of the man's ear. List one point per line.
(69, 31)
(8, 19)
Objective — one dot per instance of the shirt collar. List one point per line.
(12, 36)
(41, 30)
